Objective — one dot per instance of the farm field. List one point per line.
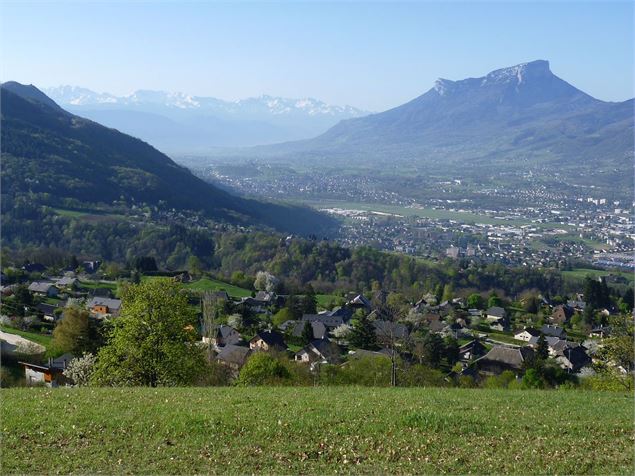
(315, 431)
(440, 214)
(579, 274)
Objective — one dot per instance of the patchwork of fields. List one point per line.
(315, 431)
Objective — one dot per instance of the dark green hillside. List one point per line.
(56, 155)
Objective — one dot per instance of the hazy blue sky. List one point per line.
(369, 55)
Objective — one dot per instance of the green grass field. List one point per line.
(208, 284)
(315, 431)
(578, 274)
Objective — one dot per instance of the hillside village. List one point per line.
(463, 340)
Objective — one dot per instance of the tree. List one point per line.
(362, 335)
(73, 333)
(307, 333)
(432, 350)
(266, 281)
(448, 292)
(144, 264)
(493, 301)
(282, 316)
(80, 369)
(451, 350)
(309, 301)
(263, 369)
(194, 265)
(153, 342)
(615, 359)
(475, 301)
(542, 348)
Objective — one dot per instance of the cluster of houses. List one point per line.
(481, 352)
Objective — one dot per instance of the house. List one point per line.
(268, 340)
(47, 311)
(577, 305)
(66, 282)
(319, 350)
(223, 335)
(330, 321)
(501, 358)
(34, 268)
(573, 359)
(50, 374)
(91, 266)
(561, 314)
(390, 330)
(102, 306)
(526, 334)
(495, 314)
(554, 331)
(265, 298)
(233, 357)
(359, 302)
(472, 350)
(220, 295)
(319, 329)
(43, 288)
(601, 332)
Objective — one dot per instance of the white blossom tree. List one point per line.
(266, 281)
(80, 369)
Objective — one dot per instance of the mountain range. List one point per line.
(181, 123)
(523, 115)
(53, 155)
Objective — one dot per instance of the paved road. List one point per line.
(13, 341)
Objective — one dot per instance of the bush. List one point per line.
(263, 369)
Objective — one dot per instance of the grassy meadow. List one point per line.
(315, 431)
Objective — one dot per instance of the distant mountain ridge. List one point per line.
(179, 122)
(521, 114)
(55, 154)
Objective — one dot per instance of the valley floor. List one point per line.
(315, 431)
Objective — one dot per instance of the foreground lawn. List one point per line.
(315, 431)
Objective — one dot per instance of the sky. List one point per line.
(369, 55)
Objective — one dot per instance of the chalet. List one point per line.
(50, 374)
(223, 335)
(390, 330)
(265, 298)
(554, 331)
(267, 340)
(501, 358)
(91, 266)
(220, 295)
(494, 314)
(577, 305)
(601, 332)
(359, 302)
(66, 282)
(526, 334)
(102, 306)
(561, 314)
(47, 311)
(318, 328)
(472, 350)
(330, 321)
(43, 288)
(319, 350)
(34, 268)
(233, 357)
(573, 359)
